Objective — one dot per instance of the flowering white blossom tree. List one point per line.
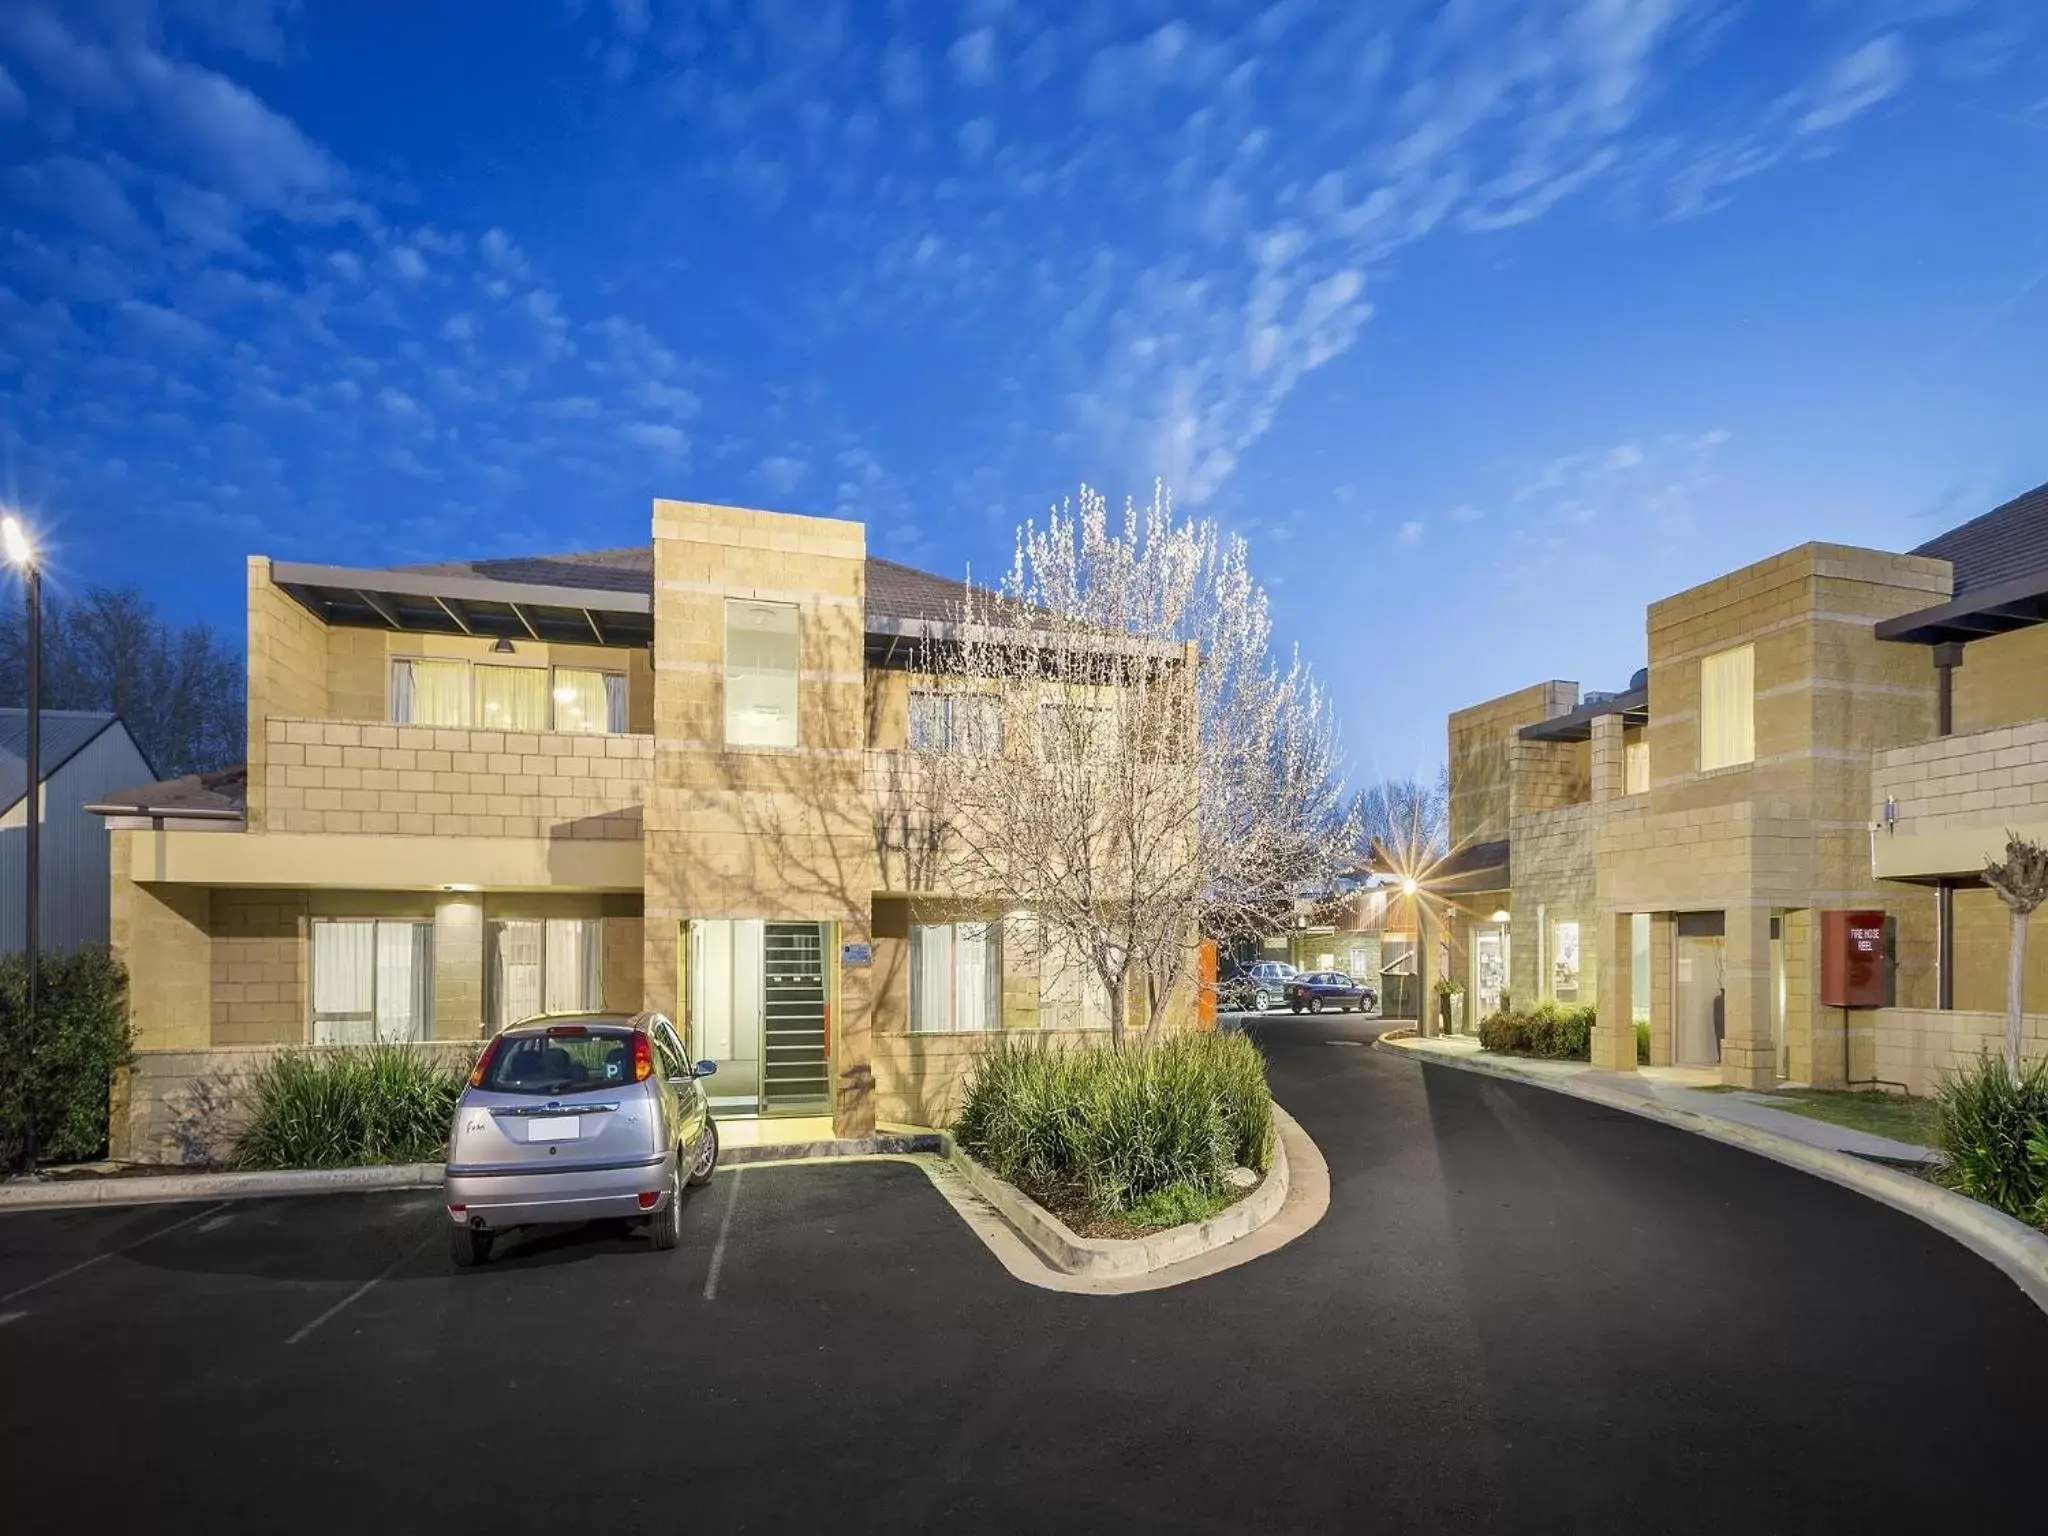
(1124, 760)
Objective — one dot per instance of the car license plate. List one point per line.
(555, 1128)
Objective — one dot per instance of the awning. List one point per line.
(423, 603)
(1632, 704)
(1997, 610)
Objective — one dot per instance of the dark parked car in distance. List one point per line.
(1256, 988)
(1317, 990)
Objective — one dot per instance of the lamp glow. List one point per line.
(15, 538)
(1408, 886)
(1501, 916)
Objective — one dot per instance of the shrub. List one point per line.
(82, 1039)
(1107, 1131)
(1505, 1032)
(1642, 1043)
(1994, 1132)
(349, 1108)
(1551, 1029)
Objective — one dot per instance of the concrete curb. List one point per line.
(152, 1189)
(1104, 1258)
(2013, 1246)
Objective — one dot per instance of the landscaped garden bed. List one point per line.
(1120, 1142)
(1554, 1031)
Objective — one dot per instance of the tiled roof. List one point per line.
(2006, 543)
(893, 591)
(222, 790)
(66, 733)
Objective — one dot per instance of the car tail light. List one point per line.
(457, 1210)
(483, 1062)
(647, 1200)
(569, 1031)
(643, 1058)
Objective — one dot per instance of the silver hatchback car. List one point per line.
(578, 1117)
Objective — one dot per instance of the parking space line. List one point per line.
(360, 1291)
(11, 1317)
(724, 1231)
(218, 1222)
(111, 1253)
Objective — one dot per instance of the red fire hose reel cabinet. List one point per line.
(1852, 959)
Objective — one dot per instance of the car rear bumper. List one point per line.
(523, 1197)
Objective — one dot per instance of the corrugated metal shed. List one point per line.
(84, 756)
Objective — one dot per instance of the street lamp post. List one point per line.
(22, 554)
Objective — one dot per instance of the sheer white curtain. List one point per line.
(931, 976)
(573, 977)
(615, 703)
(1728, 708)
(978, 976)
(425, 692)
(580, 703)
(928, 722)
(1635, 759)
(405, 981)
(515, 971)
(344, 982)
(761, 659)
(512, 698)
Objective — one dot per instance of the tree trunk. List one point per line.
(1118, 1002)
(2015, 990)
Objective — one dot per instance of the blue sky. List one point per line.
(1486, 323)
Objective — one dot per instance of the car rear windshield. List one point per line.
(579, 1060)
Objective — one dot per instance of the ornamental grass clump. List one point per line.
(1105, 1132)
(1994, 1133)
(351, 1107)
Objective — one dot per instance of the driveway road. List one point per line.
(1522, 1312)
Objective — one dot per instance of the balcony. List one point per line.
(338, 776)
(1953, 799)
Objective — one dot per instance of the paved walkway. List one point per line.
(1674, 1086)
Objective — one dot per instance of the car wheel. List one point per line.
(1315, 1005)
(1261, 1001)
(468, 1247)
(707, 1160)
(666, 1227)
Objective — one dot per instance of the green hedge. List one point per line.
(351, 1108)
(1994, 1132)
(1102, 1130)
(1550, 1029)
(82, 1039)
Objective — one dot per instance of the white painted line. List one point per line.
(359, 1292)
(11, 1317)
(218, 1222)
(724, 1231)
(101, 1258)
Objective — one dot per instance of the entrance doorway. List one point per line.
(1489, 969)
(759, 998)
(1699, 1009)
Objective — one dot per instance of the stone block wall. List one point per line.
(259, 966)
(1988, 778)
(1915, 1046)
(287, 672)
(2003, 680)
(429, 781)
(1482, 746)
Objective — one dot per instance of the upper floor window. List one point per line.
(760, 674)
(427, 691)
(1070, 732)
(1635, 761)
(966, 724)
(1728, 708)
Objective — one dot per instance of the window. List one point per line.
(372, 981)
(430, 692)
(1728, 708)
(550, 1063)
(589, 702)
(1564, 962)
(964, 724)
(760, 674)
(512, 698)
(507, 698)
(1070, 733)
(1635, 759)
(550, 966)
(956, 976)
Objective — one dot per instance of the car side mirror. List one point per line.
(705, 1068)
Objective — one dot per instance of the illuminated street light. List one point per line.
(21, 554)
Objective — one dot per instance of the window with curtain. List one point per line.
(512, 698)
(426, 692)
(956, 976)
(964, 724)
(760, 674)
(373, 980)
(544, 966)
(615, 703)
(1728, 708)
(1635, 761)
(580, 702)
(1069, 732)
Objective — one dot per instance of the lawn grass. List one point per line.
(1875, 1112)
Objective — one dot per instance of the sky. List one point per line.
(1485, 322)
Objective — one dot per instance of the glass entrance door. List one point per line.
(757, 1006)
(1489, 971)
(1699, 1018)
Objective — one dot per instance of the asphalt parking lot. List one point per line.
(1522, 1312)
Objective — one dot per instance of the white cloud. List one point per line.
(255, 27)
(408, 263)
(13, 104)
(249, 151)
(398, 402)
(1856, 83)
(502, 256)
(974, 57)
(1409, 535)
(82, 191)
(902, 77)
(659, 436)
(781, 474)
(155, 324)
(458, 328)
